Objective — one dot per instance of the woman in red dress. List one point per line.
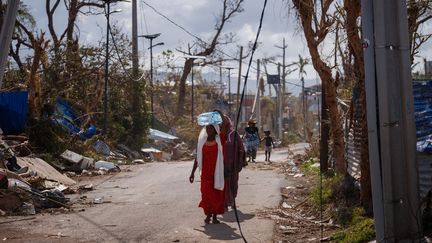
(210, 160)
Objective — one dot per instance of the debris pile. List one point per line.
(29, 184)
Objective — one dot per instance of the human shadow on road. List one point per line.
(220, 231)
(230, 216)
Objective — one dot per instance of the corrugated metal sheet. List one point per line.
(424, 162)
(423, 116)
(353, 143)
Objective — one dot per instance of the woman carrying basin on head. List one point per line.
(210, 161)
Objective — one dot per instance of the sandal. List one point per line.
(207, 220)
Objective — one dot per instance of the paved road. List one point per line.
(282, 154)
(156, 203)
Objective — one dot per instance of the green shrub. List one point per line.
(307, 168)
(328, 183)
(362, 231)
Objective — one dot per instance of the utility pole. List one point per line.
(391, 127)
(279, 102)
(259, 120)
(239, 80)
(105, 127)
(151, 38)
(134, 40)
(6, 34)
(304, 108)
(283, 47)
(229, 91)
(325, 130)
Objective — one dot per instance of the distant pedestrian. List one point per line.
(252, 140)
(210, 161)
(268, 144)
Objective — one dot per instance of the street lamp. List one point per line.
(151, 37)
(229, 89)
(107, 2)
(192, 58)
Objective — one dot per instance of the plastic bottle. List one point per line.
(209, 118)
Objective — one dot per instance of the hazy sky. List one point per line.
(198, 17)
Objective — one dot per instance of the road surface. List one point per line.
(279, 155)
(154, 203)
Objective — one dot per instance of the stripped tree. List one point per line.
(316, 24)
(229, 9)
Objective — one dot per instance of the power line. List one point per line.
(201, 40)
(120, 59)
(191, 34)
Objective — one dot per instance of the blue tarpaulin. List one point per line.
(422, 91)
(65, 116)
(13, 111)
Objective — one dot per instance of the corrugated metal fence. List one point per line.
(423, 115)
(353, 143)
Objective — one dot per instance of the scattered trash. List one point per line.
(66, 117)
(298, 175)
(159, 135)
(98, 200)
(138, 161)
(316, 165)
(44, 170)
(87, 187)
(58, 235)
(286, 205)
(105, 164)
(102, 148)
(28, 208)
(71, 156)
(282, 227)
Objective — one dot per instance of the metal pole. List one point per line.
(304, 108)
(105, 129)
(229, 91)
(259, 120)
(372, 118)
(151, 82)
(279, 102)
(6, 34)
(239, 79)
(134, 40)
(192, 81)
(324, 130)
(396, 127)
(283, 67)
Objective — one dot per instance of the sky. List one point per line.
(198, 17)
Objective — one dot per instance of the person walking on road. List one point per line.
(211, 163)
(268, 145)
(252, 140)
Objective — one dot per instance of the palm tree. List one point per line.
(301, 64)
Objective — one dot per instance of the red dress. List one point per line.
(212, 200)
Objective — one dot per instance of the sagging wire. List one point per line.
(118, 54)
(240, 105)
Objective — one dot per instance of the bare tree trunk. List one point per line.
(34, 85)
(313, 37)
(229, 9)
(353, 8)
(182, 86)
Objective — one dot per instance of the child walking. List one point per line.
(268, 145)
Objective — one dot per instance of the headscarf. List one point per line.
(219, 168)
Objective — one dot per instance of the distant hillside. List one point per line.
(293, 85)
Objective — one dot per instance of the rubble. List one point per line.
(44, 170)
